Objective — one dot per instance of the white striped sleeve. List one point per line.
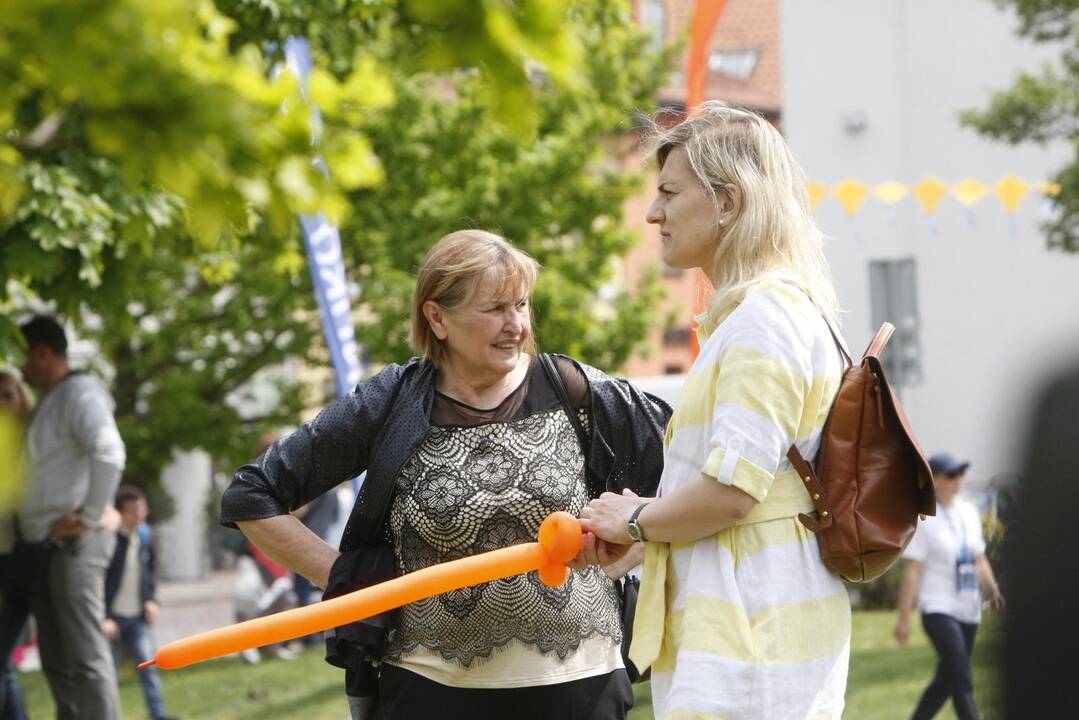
(763, 379)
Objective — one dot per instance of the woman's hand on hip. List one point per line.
(288, 542)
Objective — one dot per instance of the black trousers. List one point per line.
(954, 642)
(405, 695)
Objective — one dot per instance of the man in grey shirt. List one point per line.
(76, 457)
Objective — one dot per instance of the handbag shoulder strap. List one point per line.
(555, 378)
(827, 321)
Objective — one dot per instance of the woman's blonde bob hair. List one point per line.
(22, 390)
(773, 234)
(453, 271)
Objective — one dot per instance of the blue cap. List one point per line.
(947, 464)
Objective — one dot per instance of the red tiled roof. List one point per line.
(744, 25)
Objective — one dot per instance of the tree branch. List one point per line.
(38, 138)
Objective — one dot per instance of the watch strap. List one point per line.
(633, 520)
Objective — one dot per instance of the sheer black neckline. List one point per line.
(513, 393)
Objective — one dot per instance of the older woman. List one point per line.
(737, 616)
(467, 449)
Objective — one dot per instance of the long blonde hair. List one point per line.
(452, 272)
(774, 234)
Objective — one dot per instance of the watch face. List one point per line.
(634, 532)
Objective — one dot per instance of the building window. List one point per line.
(654, 19)
(893, 288)
(737, 64)
(677, 336)
(672, 370)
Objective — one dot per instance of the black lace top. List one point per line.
(485, 479)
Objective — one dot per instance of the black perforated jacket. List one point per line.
(382, 422)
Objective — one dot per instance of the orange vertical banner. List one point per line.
(705, 17)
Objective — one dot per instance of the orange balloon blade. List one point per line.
(560, 541)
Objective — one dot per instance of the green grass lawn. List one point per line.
(885, 682)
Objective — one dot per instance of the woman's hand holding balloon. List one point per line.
(606, 542)
(615, 559)
(588, 554)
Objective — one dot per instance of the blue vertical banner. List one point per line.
(324, 255)
(328, 271)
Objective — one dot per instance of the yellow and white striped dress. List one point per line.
(748, 623)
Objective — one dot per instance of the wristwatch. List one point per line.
(632, 528)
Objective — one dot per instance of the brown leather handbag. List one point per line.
(870, 481)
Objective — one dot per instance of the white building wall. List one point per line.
(998, 311)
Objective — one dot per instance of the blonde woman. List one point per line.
(737, 616)
(16, 404)
(467, 449)
(15, 395)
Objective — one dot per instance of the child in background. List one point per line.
(130, 594)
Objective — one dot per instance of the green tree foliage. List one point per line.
(448, 165)
(193, 289)
(184, 355)
(1044, 107)
(106, 103)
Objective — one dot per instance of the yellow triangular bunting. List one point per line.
(929, 193)
(890, 193)
(1048, 188)
(817, 192)
(970, 191)
(851, 194)
(1011, 191)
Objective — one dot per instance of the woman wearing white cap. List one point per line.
(944, 567)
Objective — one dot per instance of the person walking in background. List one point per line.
(17, 401)
(131, 595)
(737, 615)
(76, 458)
(944, 567)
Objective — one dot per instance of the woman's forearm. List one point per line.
(908, 590)
(287, 541)
(697, 509)
(986, 579)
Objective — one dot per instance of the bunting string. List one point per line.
(930, 192)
